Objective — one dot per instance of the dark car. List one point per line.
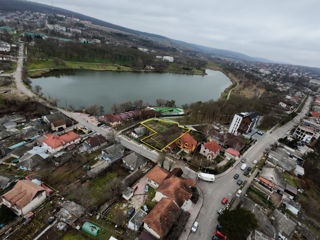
(239, 182)
(236, 176)
(130, 212)
(249, 169)
(246, 172)
(243, 160)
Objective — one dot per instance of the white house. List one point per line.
(210, 150)
(24, 197)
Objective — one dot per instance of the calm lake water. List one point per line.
(84, 88)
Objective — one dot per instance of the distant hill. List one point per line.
(22, 5)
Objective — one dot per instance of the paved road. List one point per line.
(26, 91)
(226, 186)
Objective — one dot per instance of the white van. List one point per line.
(243, 167)
(206, 177)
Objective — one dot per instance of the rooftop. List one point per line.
(162, 216)
(212, 146)
(22, 193)
(177, 189)
(233, 152)
(157, 174)
(187, 138)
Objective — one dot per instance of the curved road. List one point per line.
(225, 186)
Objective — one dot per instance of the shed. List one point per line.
(128, 193)
(291, 190)
(299, 171)
(137, 220)
(90, 229)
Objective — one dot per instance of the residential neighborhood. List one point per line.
(218, 169)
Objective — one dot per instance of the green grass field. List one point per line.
(36, 68)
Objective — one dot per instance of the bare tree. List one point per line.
(115, 108)
(100, 110)
(138, 103)
(92, 110)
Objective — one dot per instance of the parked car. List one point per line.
(224, 200)
(218, 227)
(236, 176)
(195, 226)
(220, 211)
(249, 169)
(238, 194)
(243, 167)
(239, 182)
(130, 212)
(146, 188)
(260, 132)
(255, 162)
(243, 160)
(246, 172)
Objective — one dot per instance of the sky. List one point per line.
(284, 31)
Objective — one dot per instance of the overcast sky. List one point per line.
(280, 30)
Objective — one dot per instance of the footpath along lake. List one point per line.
(84, 88)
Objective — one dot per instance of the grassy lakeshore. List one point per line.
(37, 69)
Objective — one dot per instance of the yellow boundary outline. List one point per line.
(154, 132)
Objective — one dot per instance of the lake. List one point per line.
(84, 88)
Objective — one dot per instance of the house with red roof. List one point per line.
(178, 189)
(161, 218)
(210, 150)
(56, 143)
(53, 142)
(231, 153)
(187, 143)
(156, 175)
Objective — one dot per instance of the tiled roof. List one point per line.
(96, 140)
(53, 141)
(177, 189)
(233, 152)
(267, 182)
(69, 137)
(212, 146)
(157, 174)
(22, 193)
(162, 216)
(187, 138)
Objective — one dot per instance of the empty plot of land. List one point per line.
(163, 134)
